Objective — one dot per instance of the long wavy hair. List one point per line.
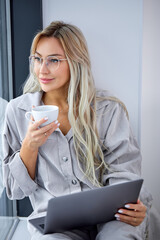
(81, 97)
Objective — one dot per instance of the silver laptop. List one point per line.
(87, 208)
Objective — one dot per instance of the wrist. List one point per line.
(27, 145)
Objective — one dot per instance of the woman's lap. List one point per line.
(76, 234)
(112, 230)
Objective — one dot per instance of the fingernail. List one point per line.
(116, 215)
(120, 211)
(56, 122)
(46, 118)
(118, 219)
(127, 206)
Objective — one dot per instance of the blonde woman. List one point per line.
(91, 145)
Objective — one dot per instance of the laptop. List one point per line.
(87, 208)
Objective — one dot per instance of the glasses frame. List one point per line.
(45, 60)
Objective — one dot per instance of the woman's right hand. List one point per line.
(36, 135)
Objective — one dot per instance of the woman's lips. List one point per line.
(46, 80)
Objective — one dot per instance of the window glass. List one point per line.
(7, 207)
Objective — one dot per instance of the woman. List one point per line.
(91, 144)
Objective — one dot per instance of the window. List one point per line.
(7, 207)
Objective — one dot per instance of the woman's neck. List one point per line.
(58, 98)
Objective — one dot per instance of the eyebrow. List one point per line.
(55, 54)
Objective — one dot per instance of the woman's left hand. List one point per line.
(133, 214)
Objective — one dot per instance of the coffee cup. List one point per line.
(39, 112)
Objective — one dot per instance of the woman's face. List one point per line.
(50, 78)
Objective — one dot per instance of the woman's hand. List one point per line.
(133, 215)
(36, 135)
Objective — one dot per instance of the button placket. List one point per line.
(66, 164)
(64, 156)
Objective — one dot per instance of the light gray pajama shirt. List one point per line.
(57, 171)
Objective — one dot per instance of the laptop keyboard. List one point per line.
(41, 225)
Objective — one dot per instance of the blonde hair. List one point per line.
(81, 93)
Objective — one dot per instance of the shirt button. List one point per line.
(65, 159)
(74, 182)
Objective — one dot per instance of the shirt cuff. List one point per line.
(21, 175)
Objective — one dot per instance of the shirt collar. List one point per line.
(28, 100)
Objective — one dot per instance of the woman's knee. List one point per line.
(118, 231)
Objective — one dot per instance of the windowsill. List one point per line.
(13, 228)
(7, 225)
(21, 230)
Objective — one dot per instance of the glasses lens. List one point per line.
(35, 61)
(52, 62)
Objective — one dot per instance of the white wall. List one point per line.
(150, 135)
(113, 30)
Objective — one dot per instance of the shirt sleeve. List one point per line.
(122, 153)
(16, 178)
(3, 104)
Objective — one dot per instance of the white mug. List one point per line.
(39, 112)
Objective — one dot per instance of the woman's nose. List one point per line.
(44, 67)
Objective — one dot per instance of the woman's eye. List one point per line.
(53, 60)
(37, 59)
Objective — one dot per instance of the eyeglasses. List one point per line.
(51, 62)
